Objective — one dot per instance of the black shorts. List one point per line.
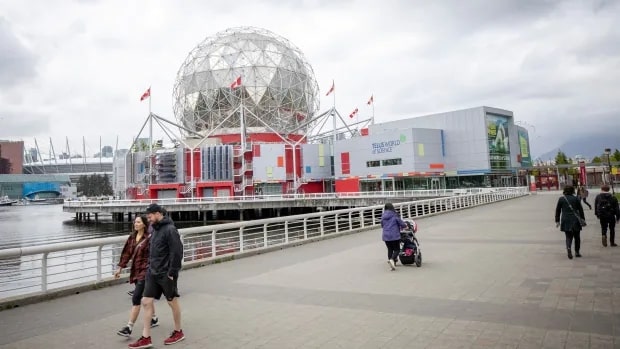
(136, 298)
(158, 284)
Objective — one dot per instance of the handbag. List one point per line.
(582, 221)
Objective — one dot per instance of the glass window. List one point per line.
(374, 163)
(391, 162)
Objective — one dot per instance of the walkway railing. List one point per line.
(42, 269)
(264, 198)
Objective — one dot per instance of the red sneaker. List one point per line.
(142, 343)
(175, 337)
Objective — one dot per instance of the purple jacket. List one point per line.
(391, 224)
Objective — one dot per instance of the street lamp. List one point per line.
(611, 181)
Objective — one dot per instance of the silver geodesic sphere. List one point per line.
(277, 84)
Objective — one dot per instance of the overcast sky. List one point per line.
(78, 68)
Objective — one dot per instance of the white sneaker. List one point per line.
(391, 263)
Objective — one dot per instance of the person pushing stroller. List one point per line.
(391, 224)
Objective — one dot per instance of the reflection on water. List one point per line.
(45, 224)
(31, 225)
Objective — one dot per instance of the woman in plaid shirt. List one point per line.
(136, 250)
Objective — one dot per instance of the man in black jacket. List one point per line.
(166, 254)
(607, 211)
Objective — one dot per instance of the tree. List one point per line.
(561, 158)
(616, 155)
(107, 186)
(94, 185)
(597, 160)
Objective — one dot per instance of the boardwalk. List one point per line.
(496, 276)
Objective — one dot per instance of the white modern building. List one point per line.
(480, 146)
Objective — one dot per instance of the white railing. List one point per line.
(28, 270)
(281, 197)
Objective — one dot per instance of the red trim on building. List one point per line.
(349, 185)
(345, 165)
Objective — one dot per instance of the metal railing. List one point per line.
(36, 269)
(280, 197)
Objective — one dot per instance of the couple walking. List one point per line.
(155, 263)
(569, 216)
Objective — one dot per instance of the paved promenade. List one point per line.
(496, 276)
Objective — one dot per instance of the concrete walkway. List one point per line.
(496, 276)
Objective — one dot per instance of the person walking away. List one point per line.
(136, 250)
(391, 224)
(582, 194)
(567, 208)
(607, 211)
(165, 256)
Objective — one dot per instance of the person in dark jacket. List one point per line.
(567, 208)
(136, 250)
(391, 224)
(607, 211)
(166, 254)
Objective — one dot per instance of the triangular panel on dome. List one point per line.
(229, 60)
(222, 78)
(265, 75)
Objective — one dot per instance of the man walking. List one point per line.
(166, 254)
(607, 211)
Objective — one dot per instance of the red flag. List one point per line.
(371, 100)
(146, 94)
(353, 113)
(331, 89)
(236, 83)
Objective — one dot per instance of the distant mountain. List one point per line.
(587, 145)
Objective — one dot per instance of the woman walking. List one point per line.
(568, 207)
(136, 250)
(582, 194)
(391, 224)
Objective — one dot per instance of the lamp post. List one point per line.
(611, 181)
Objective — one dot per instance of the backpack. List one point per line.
(605, 206)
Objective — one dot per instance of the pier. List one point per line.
(253, 207)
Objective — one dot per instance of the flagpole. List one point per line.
(243, 137)
(334, 120)
(372, 122)
(150, 140)
(372, 101)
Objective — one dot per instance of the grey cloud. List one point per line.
(23, 124)
(78, 27)
(17, 63)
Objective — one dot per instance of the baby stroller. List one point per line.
(409, 246)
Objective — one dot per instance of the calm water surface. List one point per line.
(45, 224)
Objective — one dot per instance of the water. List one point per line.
(31, 225)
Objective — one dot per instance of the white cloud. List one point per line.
(84, 64)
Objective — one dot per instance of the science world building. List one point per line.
(246, 100)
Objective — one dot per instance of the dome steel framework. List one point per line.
(278, 87)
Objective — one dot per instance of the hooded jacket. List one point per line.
(391, 224)
(166, 249)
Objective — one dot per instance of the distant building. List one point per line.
(11, 157)
(18, 186)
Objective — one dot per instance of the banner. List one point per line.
(497, 136)
(582, 173)
(524, 146)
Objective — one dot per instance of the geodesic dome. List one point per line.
(277, 84)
